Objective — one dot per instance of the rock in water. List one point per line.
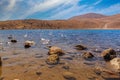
(55, 50)
(68, 76)
(108, 54)
(53, 59)
(28, 44)
(116, 64)
(14, 41)
(80, 47)
(87, 55)
(10, 37)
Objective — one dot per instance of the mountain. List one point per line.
(86, 21)
(89, 15)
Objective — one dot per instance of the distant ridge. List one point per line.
(86, 21)
(89, 15)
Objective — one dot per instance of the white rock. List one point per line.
(30, 42)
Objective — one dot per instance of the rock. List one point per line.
(52, 59)
(14, 41)
(38, 73)
(55, 50)
(87, 55)
(10, 37)
(108, 54)
(28, 44)
(68, 76)
(116, 64)
(80, 47)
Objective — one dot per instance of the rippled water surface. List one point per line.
(91, 38)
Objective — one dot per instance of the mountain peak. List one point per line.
(89, 15)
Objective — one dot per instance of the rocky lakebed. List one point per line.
(60, 55)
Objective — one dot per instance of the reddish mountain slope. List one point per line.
(87, 21)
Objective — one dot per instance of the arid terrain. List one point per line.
(86, 21)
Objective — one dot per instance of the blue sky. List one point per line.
(55, 9)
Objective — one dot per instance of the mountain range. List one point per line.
(85, 21)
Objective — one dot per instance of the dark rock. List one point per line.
(14, 41)
(108, 54)
(87, 55)
(80, 47)
(10, 37)
(27, 46)
(38, 73)
(53, 59)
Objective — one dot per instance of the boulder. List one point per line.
(80, 47)
(116, 64)
(55, 50)
(52, 59)
(14, 41)
(68, 76)
(108, 54)
(87, 55)
(28, 44)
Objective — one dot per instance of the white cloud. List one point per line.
(11, 4)
(99, 1)
(72, 11)
(46, 5)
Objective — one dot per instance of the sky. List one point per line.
(55, 9)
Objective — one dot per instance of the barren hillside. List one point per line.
(87, 21)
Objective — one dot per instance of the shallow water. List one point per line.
(15, 55)
(92, 38)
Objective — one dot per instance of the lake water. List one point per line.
(90, 38)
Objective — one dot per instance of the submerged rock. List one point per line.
(68, 76)
(87, 55)
(108, 54)
(116, 64)
(80, 47)
(14, 41)
(55, 50)
(28, 44)
(53, 59)
(10, 37)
